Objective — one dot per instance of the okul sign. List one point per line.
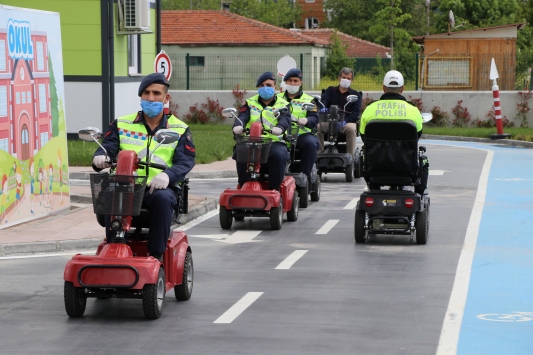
(19, 39)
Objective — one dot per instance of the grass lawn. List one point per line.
(215, 142)
(212, 142)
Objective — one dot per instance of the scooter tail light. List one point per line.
(369, 202)
(409, 202)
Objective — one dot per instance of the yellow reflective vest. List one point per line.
(391, 110)
(134, 136)
(296, 111)
(266, 115)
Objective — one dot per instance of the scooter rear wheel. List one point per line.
(183, 292)
(315, 195)
(348, 171)
(359, 226)
(304, 198)
(75, 299)
(154, 297)
(292, 215)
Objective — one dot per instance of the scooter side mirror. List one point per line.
(308, 107)
(426, 117)
(166, 136)
(280, 111)
(89, 134)
(228, 112)
(352, 98)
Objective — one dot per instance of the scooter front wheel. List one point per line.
(276, 216)
(226, 218)
(154, 296)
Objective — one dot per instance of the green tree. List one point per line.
(53, 99)
(191, 5)
(337, 58)
(386, 23)
(282, 13)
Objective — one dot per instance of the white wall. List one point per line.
(479, 103)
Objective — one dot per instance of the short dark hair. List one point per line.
(346, 71)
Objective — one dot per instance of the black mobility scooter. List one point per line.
(391, 158)
(336, 158)
(306, 185)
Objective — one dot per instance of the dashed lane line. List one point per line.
(231, 314)
(291, 259)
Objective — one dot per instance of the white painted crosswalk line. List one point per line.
(351, 205)
(291, 259)
(327, 226)
(239, 307)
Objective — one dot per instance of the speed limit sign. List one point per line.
(163, 65)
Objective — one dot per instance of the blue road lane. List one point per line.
(498, 314)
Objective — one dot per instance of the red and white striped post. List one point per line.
(497, 107)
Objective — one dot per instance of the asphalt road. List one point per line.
(308, 288)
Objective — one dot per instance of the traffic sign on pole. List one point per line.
(163, 65)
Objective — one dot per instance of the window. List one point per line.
(195, 61)
(17, 98)
(311, 22)
(134, 56)
(44, 138)
(309, 0)
(42, 98)
(3, 101)
(24, 139)
(4, 144)
(23, 97)
(40, 56)
(28, 97)
(3, 55)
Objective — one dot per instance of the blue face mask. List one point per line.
(266, 92)
(152, 108)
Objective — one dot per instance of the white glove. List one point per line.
(294, 118)
(277, 131)
(237, 129)
(160, 181)
(100, 162)
(302, 121)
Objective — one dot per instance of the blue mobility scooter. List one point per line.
(392, 158)
(335, 158)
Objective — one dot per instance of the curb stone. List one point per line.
(508, 142)
(196, 211)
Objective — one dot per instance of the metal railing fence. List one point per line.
(192, 71)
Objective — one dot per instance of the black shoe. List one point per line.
(158, 256)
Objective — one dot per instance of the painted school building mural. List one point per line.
(33, 145)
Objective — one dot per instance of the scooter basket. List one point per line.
(253, 149)
(117, 195)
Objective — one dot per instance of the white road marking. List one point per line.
(209, 236)
(327, 226)
(449, 336)
(437, 172)
(198, 220)
(241, 237)
(291, 259)
(31, 256)
(239, 307)
(351, 205)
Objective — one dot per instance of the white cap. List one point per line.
(393, 76)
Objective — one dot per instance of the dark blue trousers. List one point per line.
(308, 145)
(275, 167)
(160, 205)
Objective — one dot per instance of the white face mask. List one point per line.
(345, 83)
(292, 89)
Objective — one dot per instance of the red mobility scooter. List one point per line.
(253, 199)
(122, 268)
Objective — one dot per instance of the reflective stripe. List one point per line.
(269, 120)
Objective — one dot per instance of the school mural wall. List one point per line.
(33, 139)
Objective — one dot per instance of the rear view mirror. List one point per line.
(89, 134)
(352, 98)
(228, 112)
(426, 117)
(308, 107)
(166, 136)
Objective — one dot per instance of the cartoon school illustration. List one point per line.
(33, 143)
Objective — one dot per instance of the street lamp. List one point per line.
(427, 15)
